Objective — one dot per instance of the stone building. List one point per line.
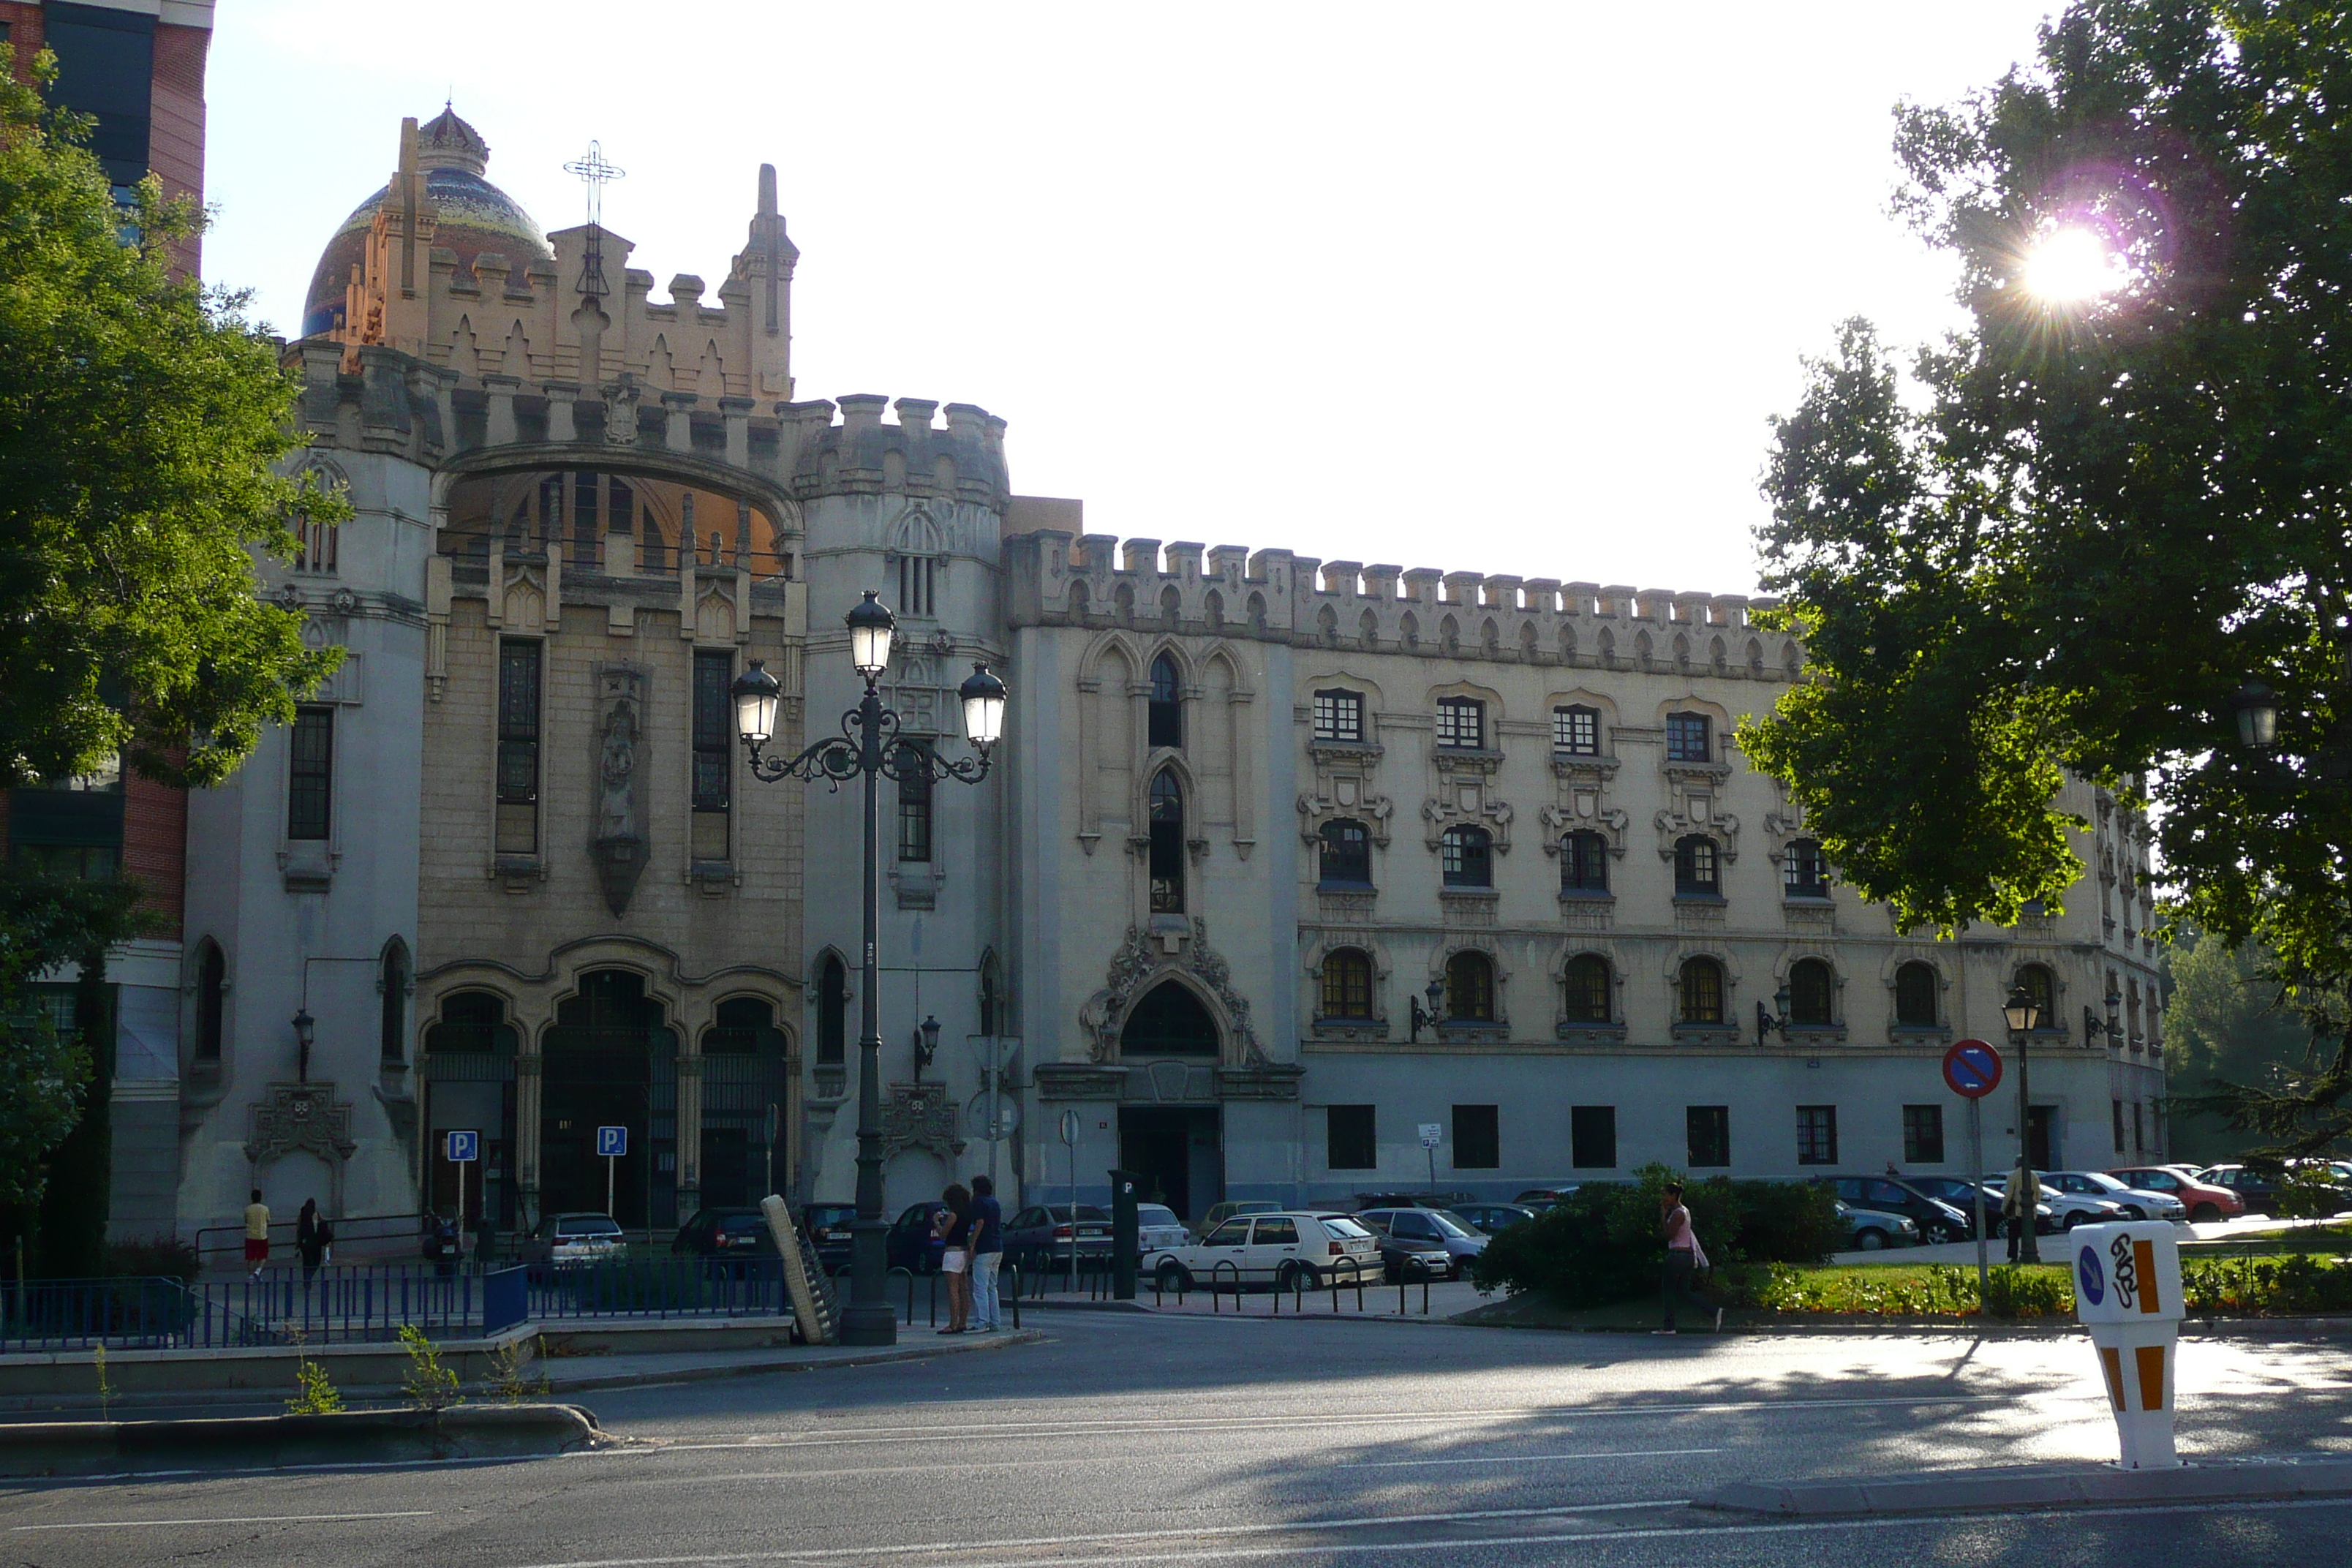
(1256, 815)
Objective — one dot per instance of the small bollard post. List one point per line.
(2127, 1295)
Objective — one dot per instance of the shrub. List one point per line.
(2254, 1287)
(157, 1257)
(429, 1386)
(2011, 1291)
(1603, 1244)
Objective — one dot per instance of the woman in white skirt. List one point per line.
(955, 1231)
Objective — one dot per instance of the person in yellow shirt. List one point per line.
(256, 1234)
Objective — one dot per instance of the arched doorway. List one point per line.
(468, 1078)
(611, 1060)
(1178, 1149)
(743, 1092)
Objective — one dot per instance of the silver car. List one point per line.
(1432, 1226)
(2071, 1209)
(2136, 1202)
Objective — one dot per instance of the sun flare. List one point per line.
(2070, 266)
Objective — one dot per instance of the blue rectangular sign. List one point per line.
(464, 1146)
(612, 1142)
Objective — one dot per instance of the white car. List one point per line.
(2136, 1202)
(2070, 1209)
(581, 1238)
(1287, 1247)
(1156, 1228)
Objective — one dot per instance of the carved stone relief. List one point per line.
(1138, 964)
(619, 846)
(920, 1116)
(1582, 806)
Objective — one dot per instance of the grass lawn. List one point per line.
(1787, 1294)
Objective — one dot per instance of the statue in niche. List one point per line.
(619, 846)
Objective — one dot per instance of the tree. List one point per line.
(141, 421)
(2224, 1026)
(2084, 522)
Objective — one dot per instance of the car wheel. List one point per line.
(1174, 1277)
(1286, 1278)
(2205, 1213)
(2132, 1211)
(1870, 1240)
(2069, 1220)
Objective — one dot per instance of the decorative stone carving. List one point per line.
(1583, 803)
(920, 1116)
(299, 1118)
(1466, 802)
(1137, 965)
(619, 846)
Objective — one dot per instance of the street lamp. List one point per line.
(2256, 707)
(304, 1025)
(868, 747)
(1766, 1023)
(927, 1044)
(2113, 1026)
(1432, 1015)
(2023, 1015)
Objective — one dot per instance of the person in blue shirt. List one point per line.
(987, 1252)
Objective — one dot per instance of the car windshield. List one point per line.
(1154, 1213)
(1448, 1224)
(2105, 1183)
(1346, 1228)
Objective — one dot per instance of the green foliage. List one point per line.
(2259, 1287)
(428, 1385)
(105, 1385)
(141, 419)
(2225, 1023)
(157, 1257)
(2308, 1192)
(1895, 1291)
(2015, 1290)
(511, 1377)
(2068, 540)
(1602, 1244)
(318, 1395)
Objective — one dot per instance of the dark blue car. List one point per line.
(912, 1244)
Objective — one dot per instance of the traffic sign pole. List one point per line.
(1972, 1070)
(1976, 1186)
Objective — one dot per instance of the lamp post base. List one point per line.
(873, 1324)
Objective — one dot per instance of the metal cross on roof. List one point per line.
(596, 170)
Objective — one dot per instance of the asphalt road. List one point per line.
(1131, 1439)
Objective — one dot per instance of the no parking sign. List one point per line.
(1972, 1069)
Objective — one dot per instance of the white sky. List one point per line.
(1497, 286)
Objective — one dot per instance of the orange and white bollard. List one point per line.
(2127, 1294)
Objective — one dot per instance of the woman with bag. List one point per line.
(955, 1223)
(312, 1239)
(1685, 1258)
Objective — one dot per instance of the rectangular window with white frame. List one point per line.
(1576, 731)
(1462, 724)
(1340, 715)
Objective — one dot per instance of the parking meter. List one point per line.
(1125, 1244)
(2127, 1294)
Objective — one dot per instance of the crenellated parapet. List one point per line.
(1058, 578)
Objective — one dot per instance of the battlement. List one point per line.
(1057, 578)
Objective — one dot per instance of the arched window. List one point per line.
(831, 1011)
(1166, 726)
(1698, 992)
(1584, 863)
(473, 1022)
(1588, 989)
(739, 1027)
(1916, 989)
(1347, 984)
(2043, 988)
(1696, 873)
(211, 1001)
(1804, 871)
(1811, 994)
(393, 980)
(1470, 988)
(1169, 1021)
(1467, 856)
(1346, 855)
(1167, 843)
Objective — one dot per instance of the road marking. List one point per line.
(1328, 1548)
(250, 1519)
(1520, 1459)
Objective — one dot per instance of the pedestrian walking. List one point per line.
(1685, 1258)
(955, 1234)
(307, 1242)
(2019, 1201)
(257, 1234)
(987, 1253)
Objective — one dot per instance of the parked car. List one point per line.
(1042, 1232)
(1410, 1200)
(1871, 1230)
(580, 1237)
(2205, 1202)
(1962, 1193)
(911, 1244)
(1491, 1218)
(2257, 1189)
(1425, 1227)
(1156, 1228)
(828, 1231)
(1220, 1213)
(726, 1233)
(2136, 1202)
(1933, 1218)
(1282, 1248)
(2071, 1208)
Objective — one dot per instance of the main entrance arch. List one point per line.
(1178, 1150)
(611, 1060)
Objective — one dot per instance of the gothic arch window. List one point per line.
(1916, 989)
(1466, 855)
(1812, 995)
(393, 980)
(1589, 988)
(1699, 992)
(1169, 1021)
(1470, 988)
(831, 1011)
(1346, 984)
(1166, 719)
(1696, 872)
(1167, 843)
(1347, 854)
(212, 1001)
(918, 546)
(1584, 863)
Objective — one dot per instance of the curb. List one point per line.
(1053, 1305)
(2253, 1480)
(58, 1449)
(589, 1382)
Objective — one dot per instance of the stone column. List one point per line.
(528, 1076)
(689, 1124)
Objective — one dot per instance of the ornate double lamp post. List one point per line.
(868, 745)
(2023, 1015)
